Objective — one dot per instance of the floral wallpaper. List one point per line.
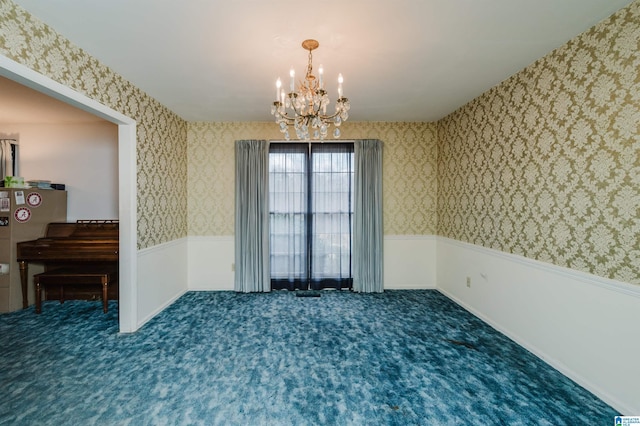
(161, 134)
(547, 164)
(211, 172)
(409, 173)
(409, 167)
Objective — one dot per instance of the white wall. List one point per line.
(409, 262)
(210, 261)
(584, 326)
(84, 157)
(161, 272)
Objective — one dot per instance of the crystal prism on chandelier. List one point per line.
(306, 108)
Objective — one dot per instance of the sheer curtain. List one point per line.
(311, 209)
(332, 166)
(288, 199)
(368, 232)
(252, 217)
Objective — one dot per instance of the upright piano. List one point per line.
(83, 244)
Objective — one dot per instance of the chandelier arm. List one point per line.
(286, 117)
(293, 104)
(281, 110)
(328, 117)
(305, 116)
(278, 112)
(301, 117)
(334, 115)
(322, 117)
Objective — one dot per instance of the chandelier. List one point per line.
(306, 108)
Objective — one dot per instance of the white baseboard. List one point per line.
(582, 325)
(149, 316)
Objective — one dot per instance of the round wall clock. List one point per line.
(22, 214)
(34, 199)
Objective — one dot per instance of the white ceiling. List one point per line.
(402, 60)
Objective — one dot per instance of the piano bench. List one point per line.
(76, 275)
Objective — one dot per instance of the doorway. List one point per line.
(127, 172)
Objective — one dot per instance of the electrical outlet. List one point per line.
(233, 267)
(468, 281)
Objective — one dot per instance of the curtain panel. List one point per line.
(252, 217)
(368, 233)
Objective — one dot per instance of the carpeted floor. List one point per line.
(397, 358)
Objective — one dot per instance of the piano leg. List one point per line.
(38, 296)
(24, 278)
(105, 294)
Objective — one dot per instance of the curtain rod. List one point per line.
(313, 141)
(4, 140)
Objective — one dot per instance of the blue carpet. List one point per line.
(397, 358)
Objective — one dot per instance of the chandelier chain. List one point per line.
(310, 64)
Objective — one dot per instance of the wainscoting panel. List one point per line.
(409, 262)
(211, 263)
(582, 325)
(162, 272)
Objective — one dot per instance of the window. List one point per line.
(311, 215)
